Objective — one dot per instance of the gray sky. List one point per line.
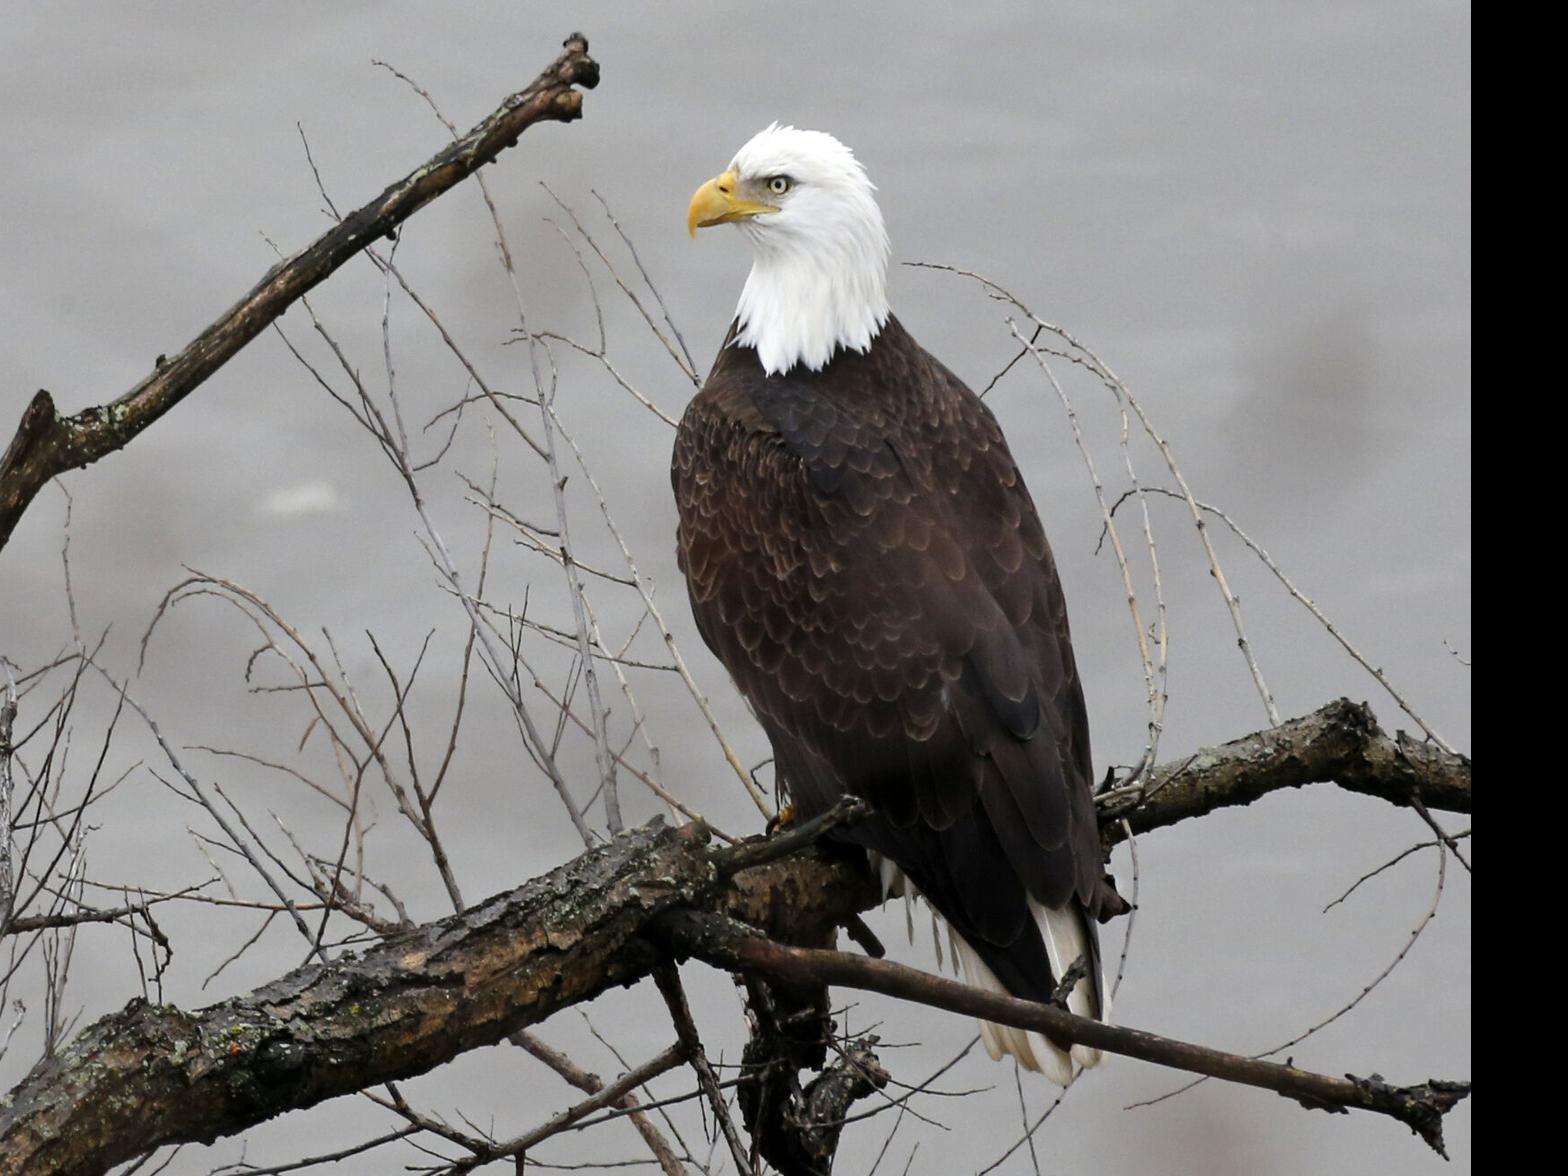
(1258, 214)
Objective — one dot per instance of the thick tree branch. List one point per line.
(47, 444)
(1340, 743)
(149, 1075)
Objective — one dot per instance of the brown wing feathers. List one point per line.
(864, 559)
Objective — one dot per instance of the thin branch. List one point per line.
(734, 946)
(645, 591)
(1078, 353)
(1366, 989)
(669, 1162)
(1306, 602)
(235, 839)
(244, 1169)
(668, 979)
(613, 1094)
(1388, 865)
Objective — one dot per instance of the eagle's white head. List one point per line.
(819, 278)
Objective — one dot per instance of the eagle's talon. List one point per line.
(781, 820)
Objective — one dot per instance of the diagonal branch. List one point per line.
(47, 444)
(592, 1084)
(727, 944)
(668, 979)
(150, 1075)
(615, 1094)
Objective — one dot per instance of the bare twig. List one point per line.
(7, 719)
(669, 1162)
(1366, 990)
(1388, 865)
(1306, 602)
(669, 982)
(1077, 353)
(613, 1094)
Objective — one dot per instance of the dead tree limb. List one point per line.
(735, 947)
(47, 444)
(1340, 743)
(149, 1075)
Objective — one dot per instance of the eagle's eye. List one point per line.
(779, 185)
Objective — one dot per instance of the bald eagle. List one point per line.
(862, 555)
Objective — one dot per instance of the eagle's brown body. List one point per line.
(863, 557)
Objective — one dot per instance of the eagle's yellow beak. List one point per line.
(715, 203)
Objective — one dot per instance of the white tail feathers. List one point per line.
(1066, 936)
(1066, 939)
(1032, 1050)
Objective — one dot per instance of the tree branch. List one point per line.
(1340, 743)
(47, 444)
(615, 1094)
(735, 947)
(149, 1075)
(669, 1162)
(668, 979)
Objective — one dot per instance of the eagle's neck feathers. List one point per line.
(806, 298)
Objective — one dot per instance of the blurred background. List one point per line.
(1257, 213)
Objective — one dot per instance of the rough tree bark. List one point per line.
(149, 1075)
(1340, 742)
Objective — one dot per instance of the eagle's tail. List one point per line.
(1068, 937)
